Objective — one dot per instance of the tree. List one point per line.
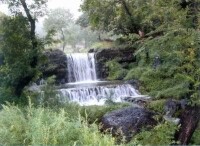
(77, 35)
(136, 16)
(69, 32)
(2, 16)
(21, 48)
(59, 19)
(119, 16)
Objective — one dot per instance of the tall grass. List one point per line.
(33, 126)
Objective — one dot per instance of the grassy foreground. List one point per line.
(73, 125)
(30, 126)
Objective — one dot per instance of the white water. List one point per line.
(81, 67)
(81, 70)
(97, 95)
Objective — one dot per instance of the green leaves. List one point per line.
(45, 126)
(162, 134)
(20, 46)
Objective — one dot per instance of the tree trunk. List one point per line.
(189, 120)
(134, 27)
(34, 61)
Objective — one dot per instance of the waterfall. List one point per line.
(83, 86)
(81, 67)
(97, 95)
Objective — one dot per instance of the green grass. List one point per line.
(103, 45)
(33, 126)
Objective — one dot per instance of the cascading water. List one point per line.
(97, 95)
(81, 69)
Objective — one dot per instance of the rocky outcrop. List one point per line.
(123, 56)
(128, 121)
(55, 64)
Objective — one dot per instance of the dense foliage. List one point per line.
(166, 36)
(17, 51)
(20, 45)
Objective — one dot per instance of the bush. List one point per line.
(32, 126)
(94, 113)
(116, 72)
(195, 138)
(159, 83)
(103, 45)
(162, 134)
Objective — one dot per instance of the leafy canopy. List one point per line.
(20, 45)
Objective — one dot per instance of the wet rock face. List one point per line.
(128, 120)
(55, 64)
(124, 57)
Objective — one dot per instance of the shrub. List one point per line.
(116, 72)
(159, 83)
(162, 134)
(33, 126)
(94, 113)
(103, 45)
(195, 138)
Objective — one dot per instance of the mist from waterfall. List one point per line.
(81, 67)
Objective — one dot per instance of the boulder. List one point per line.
(124, 57)
(129, 121)
(55, 64)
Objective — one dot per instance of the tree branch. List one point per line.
(134, 28)
(32, 32)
